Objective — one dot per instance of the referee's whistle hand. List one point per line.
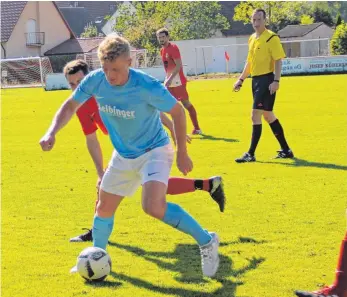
(237, 85)
(273, 87)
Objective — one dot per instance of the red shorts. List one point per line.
(180, 92)
(89, 117)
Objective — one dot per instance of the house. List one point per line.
(108, 26)
(89, 12)
(237, 28)
(30, 28)
(77, 18)
(303, 40)
(75, 46)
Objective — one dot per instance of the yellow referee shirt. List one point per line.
(263, 52)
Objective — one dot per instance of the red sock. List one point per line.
(341, 270)
(181, 185)
(193, 117)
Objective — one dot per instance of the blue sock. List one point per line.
(102, 229)
(178, 218)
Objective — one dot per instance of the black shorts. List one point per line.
(262, 99)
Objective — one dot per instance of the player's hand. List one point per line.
(237, 85)
(184, 163)
(273, 87)
(47, 142)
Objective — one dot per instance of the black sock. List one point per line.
(255, 138)
(198, 184)
(277, 130)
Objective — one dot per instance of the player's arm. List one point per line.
(166, 121)
(245, 73)
(160, 98)
(95, 152)
(277, 54)
(61, 118)
(175, 71)
(184, 163)
(168, 124)
(66, 111)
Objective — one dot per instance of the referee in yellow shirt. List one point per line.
(264, 63)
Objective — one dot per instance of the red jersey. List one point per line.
(89, 117)
(168, 55)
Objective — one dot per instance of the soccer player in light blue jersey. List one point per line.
(130, 102)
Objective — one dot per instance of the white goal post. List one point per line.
(25, 72)
(212, 58)
(138, 56)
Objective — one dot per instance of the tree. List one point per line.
(338, 45)
(185, 20)
(306, 20)
(322, 15)
(279, 14)
(339, 20)
(89, 31)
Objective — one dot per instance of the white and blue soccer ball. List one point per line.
(94, 264)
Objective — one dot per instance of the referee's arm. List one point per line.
(246, 71)
(278, 69)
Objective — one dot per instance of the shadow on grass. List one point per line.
(296, 162)
(187, 263)
(104, 284)
(210, 137)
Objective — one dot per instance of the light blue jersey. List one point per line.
(129, 112)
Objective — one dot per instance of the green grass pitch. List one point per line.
(281, 230)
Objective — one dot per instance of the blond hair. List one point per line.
(112, 47)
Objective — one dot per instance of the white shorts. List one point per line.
(124, 176)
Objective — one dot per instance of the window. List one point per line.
(113, 7)
(31, 26)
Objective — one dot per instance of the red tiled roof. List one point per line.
(10, 13)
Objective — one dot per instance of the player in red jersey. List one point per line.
(175, 80)
(89, 117)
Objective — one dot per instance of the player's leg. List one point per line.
(213, 185)
(258, 89)
(339, 288)
(181, 94)
(89, 128)
(88, 235)
(256, 134)
(193, 116)
(277, 130)
(119, 180)
(154, 203)
(275, 125)
(104, 218)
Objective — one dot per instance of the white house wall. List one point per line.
(212, 57)
(47, 20)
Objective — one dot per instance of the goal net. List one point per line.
(139, 59)
(24, 72)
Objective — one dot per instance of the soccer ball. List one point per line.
(94, 264)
